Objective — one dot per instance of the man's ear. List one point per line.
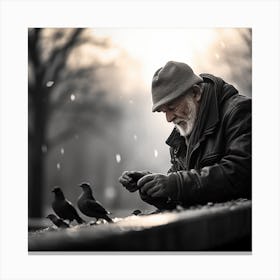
(197, 92)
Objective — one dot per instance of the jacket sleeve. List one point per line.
(230, 177)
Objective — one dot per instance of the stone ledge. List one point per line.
(210, 227)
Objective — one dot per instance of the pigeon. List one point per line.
(57, 221)
(64, 208)
(89, 206)
(136, 212)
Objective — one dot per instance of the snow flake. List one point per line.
(62, 151)
(135, 137)
(155, 153)
(44, 148)
(118, 158)
(72, 97)
(58, 166)
(49, 83)
(110, 192)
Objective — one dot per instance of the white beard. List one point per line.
(186, 128)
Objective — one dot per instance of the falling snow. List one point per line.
(135, 137)
(49, 83)
(44, 148)
(62, 151)
(110, 192)
(118, 158)
(156, 153)
(58, 166)
(72, 97)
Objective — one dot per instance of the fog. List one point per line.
(107, 113)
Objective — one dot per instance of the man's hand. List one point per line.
(129, 179)
(159, 185)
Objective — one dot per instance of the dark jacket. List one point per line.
(216, 164)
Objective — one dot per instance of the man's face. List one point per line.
(182, 112)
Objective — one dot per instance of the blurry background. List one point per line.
(89, 104)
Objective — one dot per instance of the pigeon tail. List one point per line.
(108, 219)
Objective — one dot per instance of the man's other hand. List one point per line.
(159, 185)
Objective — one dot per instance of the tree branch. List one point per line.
(33, 39)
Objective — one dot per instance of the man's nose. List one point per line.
(169, 116)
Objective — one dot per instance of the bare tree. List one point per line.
(56, 78)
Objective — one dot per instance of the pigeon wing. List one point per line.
(71, 209)
(95, 206)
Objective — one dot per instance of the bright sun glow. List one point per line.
(144, 50)
(154, 47)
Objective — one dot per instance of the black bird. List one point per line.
(89, 206)
(57, 221)
(64, 208)
(136, 212)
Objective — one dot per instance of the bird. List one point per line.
(57, 221)
(136, 212)
(89, 206)
(64, 208)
